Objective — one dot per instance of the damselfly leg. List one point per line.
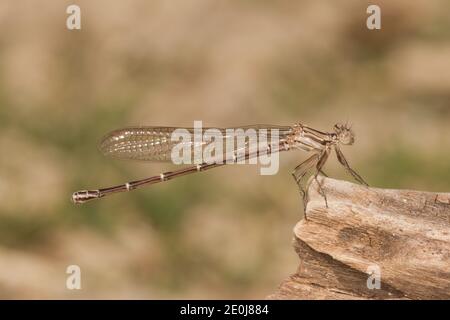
(322, 159)
(343, 161)
(300, 172)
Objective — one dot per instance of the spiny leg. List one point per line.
(321, 191)
(344, 162)
(323, 173)
(322, 159)
(299, 173)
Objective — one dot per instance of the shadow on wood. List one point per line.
(402, 235)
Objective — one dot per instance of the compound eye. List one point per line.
(348, 139)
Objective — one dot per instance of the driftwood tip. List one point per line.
(371, 243)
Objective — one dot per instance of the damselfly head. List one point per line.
(344, 133)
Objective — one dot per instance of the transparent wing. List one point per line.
(155, 143)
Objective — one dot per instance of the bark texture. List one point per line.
(403, 234)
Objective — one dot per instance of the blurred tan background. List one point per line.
(226, 233)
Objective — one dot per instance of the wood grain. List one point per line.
(405, 234)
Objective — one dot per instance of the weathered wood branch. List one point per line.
(405, 234)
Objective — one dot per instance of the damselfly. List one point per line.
(155, 144)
